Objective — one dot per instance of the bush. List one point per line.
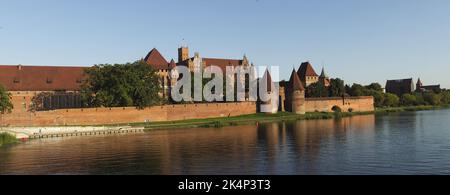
(391, 100)
(5, 101)
(336, 109)
(432, 98)
(408, 100)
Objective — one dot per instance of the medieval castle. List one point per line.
(25, 82)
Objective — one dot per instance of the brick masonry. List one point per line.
(98, 116)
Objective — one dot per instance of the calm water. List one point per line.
(405, 143)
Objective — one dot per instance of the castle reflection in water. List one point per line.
(272, 148)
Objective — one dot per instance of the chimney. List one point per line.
(19, 67)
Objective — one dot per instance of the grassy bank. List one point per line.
(6, 138)
(410, 108)
(245, 120)
(265, 118)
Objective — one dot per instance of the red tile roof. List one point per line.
(41, 78)
(222, 63)
(156, 60)
(306, 69)
(295, 83)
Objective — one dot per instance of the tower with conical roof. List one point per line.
(419, 85)
(324, 78)
(296, 95)
(269, 104)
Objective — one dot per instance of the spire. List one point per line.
(268, 78)
(419, 82)
(323, 74)
(295, 83)
(172, 64)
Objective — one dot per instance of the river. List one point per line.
(399, 143)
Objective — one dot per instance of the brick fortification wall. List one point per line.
(356, 104)
(100, 116)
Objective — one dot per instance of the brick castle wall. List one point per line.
(357, 104)
(100, 116)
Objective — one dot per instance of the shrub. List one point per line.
(408, 100)
(432, 98)
(336, 109)
(391, 100)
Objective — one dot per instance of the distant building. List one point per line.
(324, 79)
(426, 88)
(307, 74)
(400, 86)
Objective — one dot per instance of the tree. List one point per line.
(5, 101)
(408, 100)
(432, 98)
(316, 90)
(337, 88)
(375, 86)
(391, 100)
(378, 97)
(357, 90)
(446, 97)
(131, 84)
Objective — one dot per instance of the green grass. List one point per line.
(409, 108)
(6, 138)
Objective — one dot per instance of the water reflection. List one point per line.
(368, 144)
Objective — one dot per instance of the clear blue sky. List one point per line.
(357, 40)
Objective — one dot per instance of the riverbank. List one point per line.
(6, 138)
(282, 116)
(253, 119)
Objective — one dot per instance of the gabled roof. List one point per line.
(295, 83)
(306, 69)
(156, 60)
(41, 78)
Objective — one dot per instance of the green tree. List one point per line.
(357, 90)
(408, 100)
(316, 90)
(337, 88)
(375, 86)
(446, 97)
(378, 97)
(391, 100)
(432, 98)
(5, 101)
(131, 84)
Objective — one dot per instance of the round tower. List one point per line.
(297, 94)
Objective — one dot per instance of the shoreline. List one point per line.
(258, 118)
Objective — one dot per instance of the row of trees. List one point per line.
(391, 100)
(338, 89)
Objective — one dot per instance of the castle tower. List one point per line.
(419, 85)
(296, 99)
(183, 54)
(270, 106)
(324, 78)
